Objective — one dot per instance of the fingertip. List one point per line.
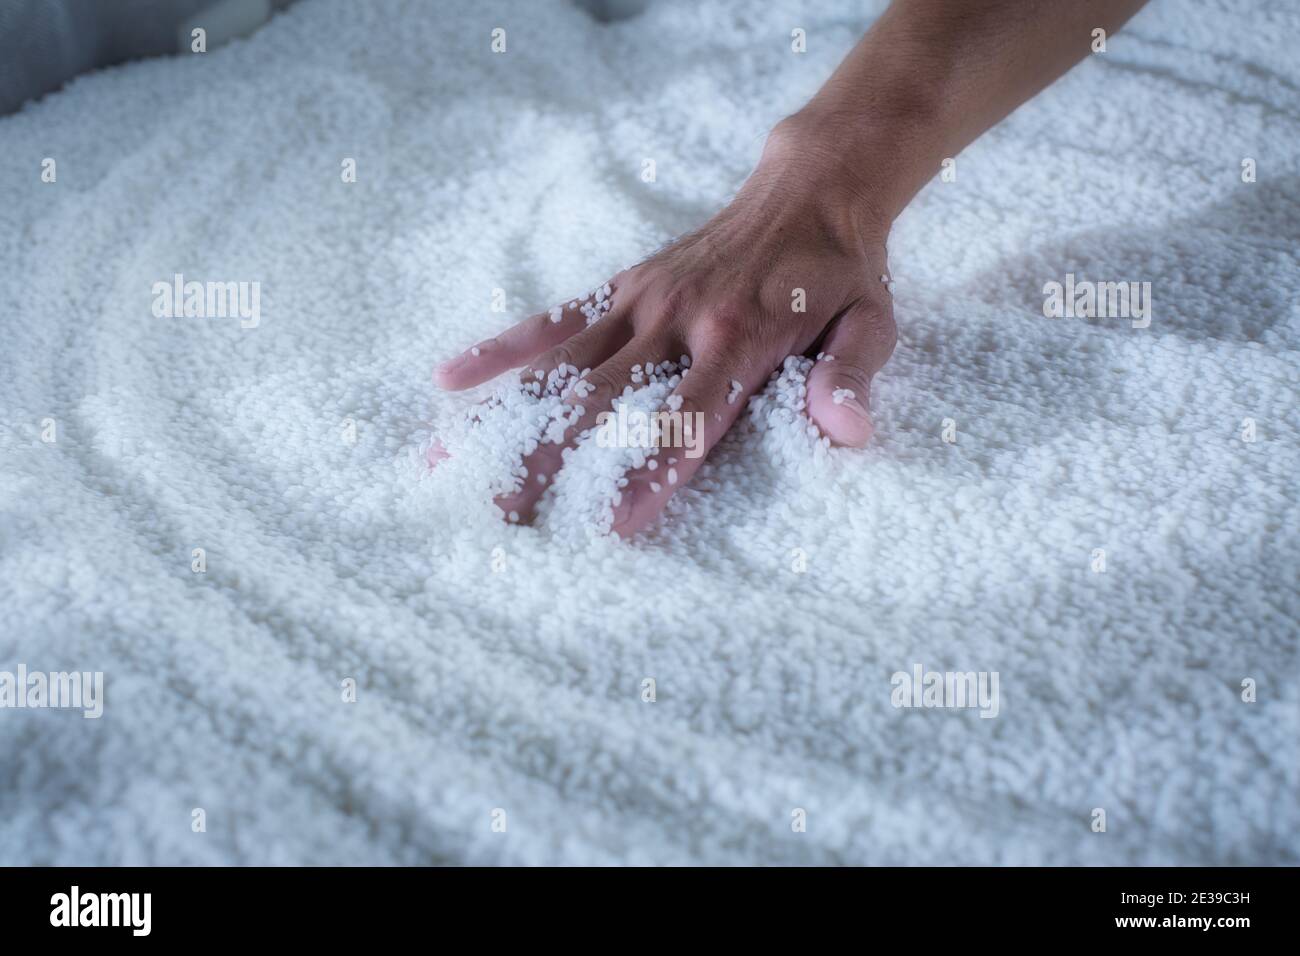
(437, 452)
(842, 416)
(843, 428)
(469, 368)
(445, 375)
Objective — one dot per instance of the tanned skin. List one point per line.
(927, 79)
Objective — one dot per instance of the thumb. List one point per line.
(858, 344)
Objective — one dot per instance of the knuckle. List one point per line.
(882, 334)
(736, 310)
(604, 382)
(691, 408)
(551, 359)
(559, 355)
(878, 299)
(631, 278)
(851, 377)
(725, 327)
(678, 300)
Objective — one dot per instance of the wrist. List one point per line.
(876, 132)
(801, 187)
(868, 171)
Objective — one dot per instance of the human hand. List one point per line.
(795, 264)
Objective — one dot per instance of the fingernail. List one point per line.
(440, 372)
(847, 398)
(453, 363)
(857, 407)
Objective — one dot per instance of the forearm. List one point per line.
(928, 78)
